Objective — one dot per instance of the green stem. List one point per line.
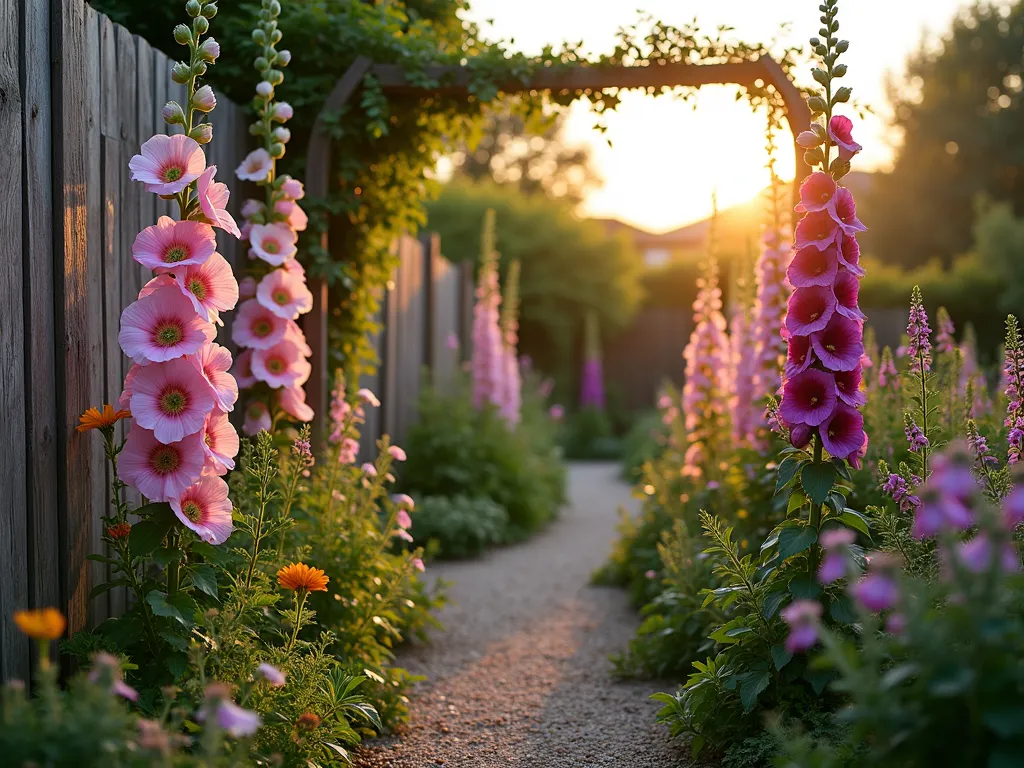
(815, 517)
(300, 603)
(290, 499)
(173, 570)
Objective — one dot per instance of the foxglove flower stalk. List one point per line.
(1013, 376)
(945, 341)
(180, 441)
(919, 347)
(743, 366)
(888, 378)
(279, 364)
(512, 381)
(488, 363)
(824, 324)
(592, 380)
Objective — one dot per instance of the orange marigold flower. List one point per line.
(42, 624)
(300, 576)
(308, 721)
(94, 419)
(119, 531)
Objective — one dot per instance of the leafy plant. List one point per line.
(460, 526)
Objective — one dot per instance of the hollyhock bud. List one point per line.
(282, 134)
(209, 50)
(204, 100)
(182, 35)
(282, 112)
(283, 58)
(264, 89)
(181, 73)
(202, 133)
(172, 113)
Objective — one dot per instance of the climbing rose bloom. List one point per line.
(168, 164)
(272, 675)
(274, 243)
(285, 294)
(817, 229)
(293, 402)
(810, 309)
(206, 509)
(840, 130)
(812, 267)
(816, 192)
(211, 287)
(171, 399)
(802, 616)
(845, 212)
(842, 433)
(214, 362)
(162, 326)
(876, 592)
(256, 326)
(282, 365)
(256, 166)
(220, 443)
(840, 345)
(169, 244)
(848, 387)
(213, 201)
(257, 419)
(808, 398)
(160, 472)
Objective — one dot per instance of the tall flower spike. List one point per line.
(488, 347)
(919, 347)
(511, 399)
(279, 361)
(1013, 375)
(742, 364)
(592, 380)
(179, 390)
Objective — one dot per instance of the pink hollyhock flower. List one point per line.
(293, 402)
(247, 287)
(155, 283)
(810, 310)
(840, 345)
(168, 164)
(817, 229)
(242, 370)
(842, 433)
(397, 453)
(126, 394)
(297, 219)
(295, 335)
(366, 396)
(214, 361)
(274, 243)
(293, 189)
(284, 294)
(160, 472)
(803, 617)
(251, 207)
(808, 398)
(162, 326)
(272, 675)
(403, 519)
(211, 287)
(840, 130)
(813, 267)
(798, 355)
(404, 500)
(171, 399)
(256, 326)
(293, 267)
(206, 509)
(876, 592)
(816, 192)
(213, 201)
(417, 563)
(281, 365)
(256, 166)
(845, 212)
(257, 418)
(849, 254)
(847, 293)
(169, 244)
(848, 387)
(220, 443)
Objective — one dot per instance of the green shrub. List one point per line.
(588, 435)
(644, 441)
(461, 526)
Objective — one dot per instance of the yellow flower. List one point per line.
(94, 419)
(42, 624)
(300, 576)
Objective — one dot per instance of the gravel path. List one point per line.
(521, 677)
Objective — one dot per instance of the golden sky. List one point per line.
(666, 158)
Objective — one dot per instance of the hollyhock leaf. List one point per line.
(148, 534)
(796, 500)
(804, 586)
(817, 480)
(787, 471)
(818, 678)
(773, 602)
(852, 519)
(795, 540)
(781, 656)
(163, 556)
(204, 578)
(842, 610)
(158, 602)
(842, 469)
(752, 686)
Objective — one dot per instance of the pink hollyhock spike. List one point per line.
(281, 365)
(845, 212)
(242, 370)
(817, 229)
(169, 244)
(840, 345)
(808, 398)
(812, 267)
(257, 327)
(274, 243)
(214, 362)
(848, 387)
(171, 399)
(816, 192)
(285, 294)
(293, 402)
(168, 164)
(810, 310)
(162, 326)
(213, 201)
(847, 293)
(160, 472)
(220, 443)
(206, 509)
(257, 418)
(211, 287)
(840, 131)
(256, 166)
(798, 355)
(842, 433)
(295, 335)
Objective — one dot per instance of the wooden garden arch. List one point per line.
(455, 80)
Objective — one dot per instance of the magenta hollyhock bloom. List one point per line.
(847, 293)
(803, 617)
(798, 355)
(845, 212)
(214, 362)
(488, 345)
(168, 164)
(817, 229)
(848, 387)
(285, 294)
(274, 243)
(814, 267)
(800, 435)
(257, 327)
(211, 287)
(162, 326)
(220, 443)
(160, 472)
(840, 131)
(281, 365)
(213, 201)
(255, 167)
(808, 398)
(849, 255)
(257, 418)
(810, 310)
(271, 674)
(293, 402)
(842, 433)
(876, 592)
(840, 345)
(817, 192)
(171, 399)
(169, 244)
(205, 508)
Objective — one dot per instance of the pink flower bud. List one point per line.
(264, 89)
(282, 134)
(172, 113)
(283, 111)
(204, 100)
(209, 50)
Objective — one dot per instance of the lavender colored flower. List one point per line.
(978, 555)
(271, 674)
(876, 592)
(888, 378)
(902, 492)
(915, 436)
(803, 617)
(592, 385)
(235, 720)
(944, 335)
(836, 543)
(770, 300)
(1013, 376)
(919, 348)
(743, 367)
